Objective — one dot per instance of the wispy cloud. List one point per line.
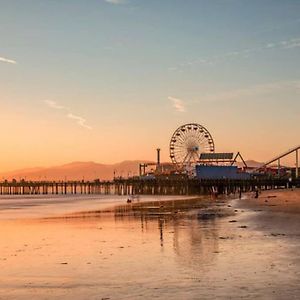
(7, 60)
(280, 26)
(252, 91)
(53, 104)
(244, 53)
(115, 1)
(178, 104)
(79, 120)
(293, 43)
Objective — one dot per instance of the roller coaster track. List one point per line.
(277, 158)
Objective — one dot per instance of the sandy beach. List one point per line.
(156, 248)
(284, 201)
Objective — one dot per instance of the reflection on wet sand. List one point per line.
(190, 221)
(193, 236)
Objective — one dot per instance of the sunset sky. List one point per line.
(111, 80)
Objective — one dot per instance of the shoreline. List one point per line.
(18, 208)
(271, 201)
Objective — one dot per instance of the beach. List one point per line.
(165, 247)
(284, 201)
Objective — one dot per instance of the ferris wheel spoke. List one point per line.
(188, 158)
(204, 142)
(199, 137)
(180, 152)
(180, 149)
(180, 156)
(184, 133)
(202, 137)
(196, 156)
(180, 136)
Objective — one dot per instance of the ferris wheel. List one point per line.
(188, 142)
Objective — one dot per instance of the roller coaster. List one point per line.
(279, 157)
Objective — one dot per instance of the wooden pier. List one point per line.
(139, 186)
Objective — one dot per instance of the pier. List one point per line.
(134, 186)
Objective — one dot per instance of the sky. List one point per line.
(111, 80)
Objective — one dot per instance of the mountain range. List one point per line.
(83, 170)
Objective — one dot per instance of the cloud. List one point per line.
(293, 43)
(79, 120)
(178, 104)
(53, 104)
(115, 1)
(251, 91)
(244, 53)
(280, 26)
(6, 60)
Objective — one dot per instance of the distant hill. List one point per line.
(251, 164)
(85, 170)
(76, 171)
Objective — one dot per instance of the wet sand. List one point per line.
(39, 206)
(175, 249)
(275, 212)
(284, 201)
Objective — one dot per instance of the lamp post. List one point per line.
(297, 164)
